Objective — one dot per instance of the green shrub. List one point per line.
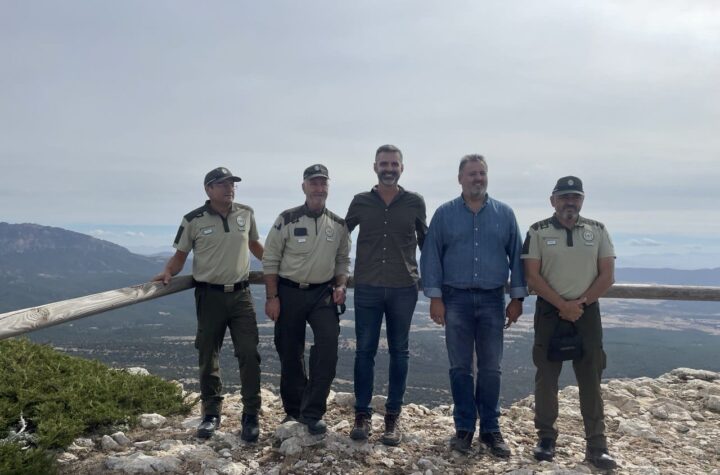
(16, 461)
(61, 397)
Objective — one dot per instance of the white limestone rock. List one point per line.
(141, 463)
(138, 371)
(121, 439)
(712, 403)
(152, 421)
(344, 400)
(65, 458)
(108, 444)
(637, 428)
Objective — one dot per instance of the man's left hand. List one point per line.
(339, 294)
(513, 311)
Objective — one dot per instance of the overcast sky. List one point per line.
(112, 112)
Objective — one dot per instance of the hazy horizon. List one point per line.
(113, 112)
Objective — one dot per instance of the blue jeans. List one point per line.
(474, 321)
(398, 305)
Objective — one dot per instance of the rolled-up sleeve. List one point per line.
(431, 258)
(274, 247)
(518, 285)
(342, 258)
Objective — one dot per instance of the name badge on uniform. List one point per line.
(301, 234)
(241, 223)
(329, 234)
(207, 231)
(551, 242)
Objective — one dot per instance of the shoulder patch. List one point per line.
(334, 217)
(196, 213)
(541, 224)
(592, 222)
(292, 215)
(245, 207)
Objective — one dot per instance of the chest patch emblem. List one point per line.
(588, 235)
(329, 232)
(241, 222)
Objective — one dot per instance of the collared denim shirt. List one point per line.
(468, 250)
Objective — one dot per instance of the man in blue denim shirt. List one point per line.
(473, 243)
(392, 226)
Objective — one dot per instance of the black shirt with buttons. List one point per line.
(388, 238)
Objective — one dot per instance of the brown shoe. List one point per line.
(392, 435)
(363, 426)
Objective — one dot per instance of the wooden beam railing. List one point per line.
(26, 320)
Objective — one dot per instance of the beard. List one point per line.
(570, 212)
(388, 178)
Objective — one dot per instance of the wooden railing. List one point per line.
(30, 319)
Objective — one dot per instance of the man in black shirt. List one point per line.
(392, 225)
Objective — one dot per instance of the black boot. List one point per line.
(207, 427)
(250, 428)
(545, 449)
(600, 458)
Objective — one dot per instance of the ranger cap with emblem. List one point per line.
(567, 185)
(315, 170)
(219, 174)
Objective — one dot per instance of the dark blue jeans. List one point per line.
(474, 321)
(398, 305)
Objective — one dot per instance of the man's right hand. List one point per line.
(272, 308)
(163, 277)
(437, 311)
(572, 310)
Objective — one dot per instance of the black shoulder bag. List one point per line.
(566, 342)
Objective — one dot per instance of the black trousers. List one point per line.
(305, 395)
(588, 372)
(217, 311)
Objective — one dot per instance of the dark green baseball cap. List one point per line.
(316, 170)
(220, 174)
(567, 185)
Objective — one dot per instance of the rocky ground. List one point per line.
(668, 425)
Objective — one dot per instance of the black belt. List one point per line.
(227, 288)
(295, 285)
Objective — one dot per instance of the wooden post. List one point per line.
(30, 319)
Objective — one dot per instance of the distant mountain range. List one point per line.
(40, 264)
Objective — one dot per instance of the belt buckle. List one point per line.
(227, 288)
(304, 286)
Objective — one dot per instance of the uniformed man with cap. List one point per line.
(221, 234)
(306, 265)
(570, 263)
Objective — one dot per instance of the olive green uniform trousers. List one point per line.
(217, 311)
(588, 372)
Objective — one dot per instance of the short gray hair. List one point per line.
(473, 157)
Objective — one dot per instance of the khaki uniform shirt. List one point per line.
(220, 245)
(307, 247)
(568, 256)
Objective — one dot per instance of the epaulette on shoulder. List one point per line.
(196, 213)
(245, 207)
(545, 223)
(592, 222)
(292, 215)
(335, 217)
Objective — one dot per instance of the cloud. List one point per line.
(644, 242)
(138, 234)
